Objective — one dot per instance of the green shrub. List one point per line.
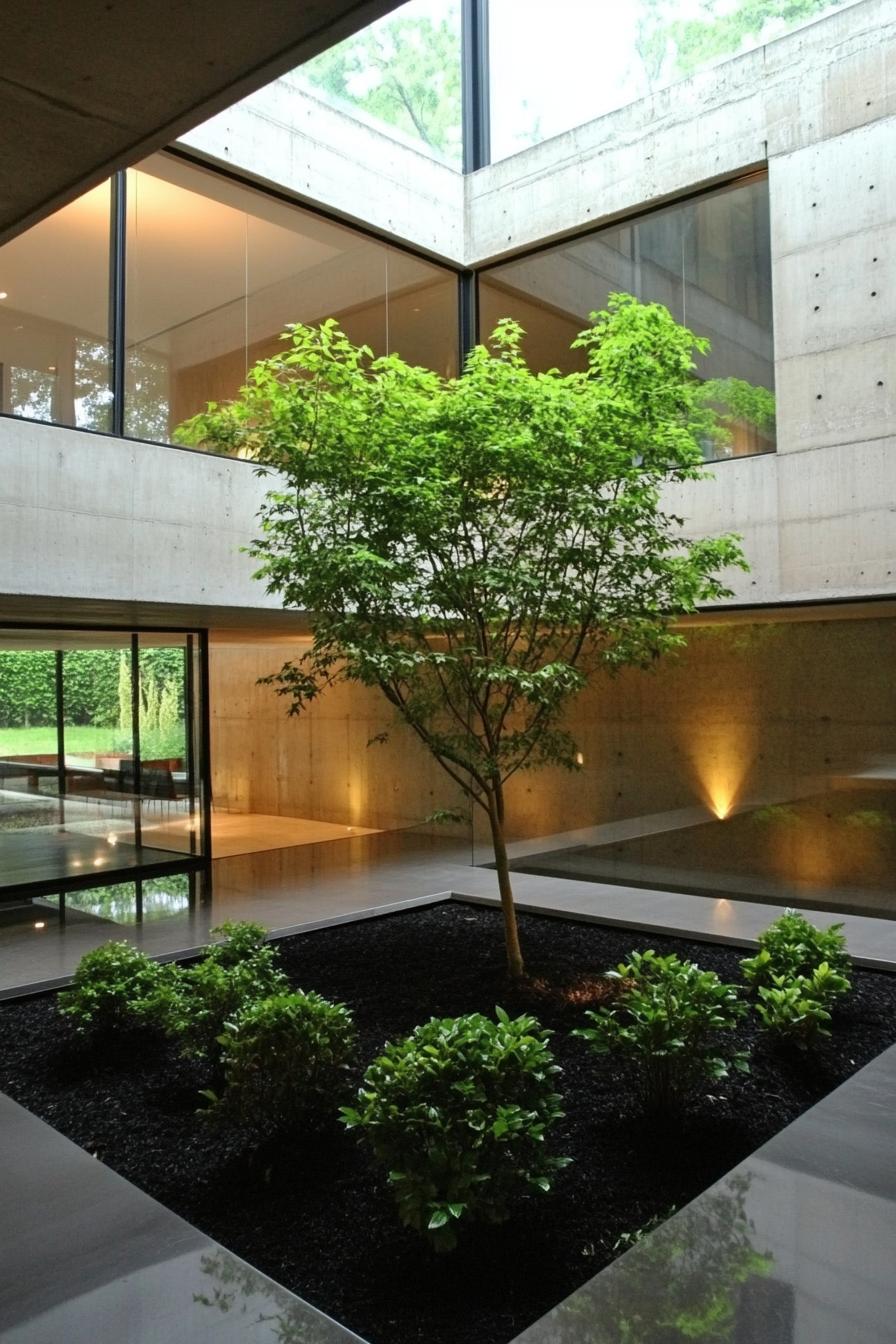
(667, 1017)
(792, 947)
(457, 1114)
(112, 988)
(194, 1006)
(284, 1060)
(798, 1008)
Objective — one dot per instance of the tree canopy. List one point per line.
(478, 547)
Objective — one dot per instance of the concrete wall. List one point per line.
(316, 765)
(758, 712)
(286, 138)
(87, 516)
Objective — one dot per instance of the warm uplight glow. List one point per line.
(39, 924)
(723, 754)
(580, 759)
(98, 863)
(3, 294)
(112, 838)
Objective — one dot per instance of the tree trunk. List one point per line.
(511, 931)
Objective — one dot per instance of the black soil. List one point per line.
(312, 1213)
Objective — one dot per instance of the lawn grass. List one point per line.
(80, 739)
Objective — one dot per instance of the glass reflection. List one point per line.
(100, 768)
(708, 260)
(693, 1278)
(550, 74)
(772, 777)
(149, 899)
(55, 354)
(216, 271)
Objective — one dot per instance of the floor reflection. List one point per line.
(834, 851)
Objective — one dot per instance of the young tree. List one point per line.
(478, 547)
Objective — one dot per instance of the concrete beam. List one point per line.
(95, 86)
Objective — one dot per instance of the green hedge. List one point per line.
(90, 683)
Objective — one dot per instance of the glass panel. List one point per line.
(216, 271)
(54, 317)
(170, 778)
(400, 75)
(101, 808)
(555, 69)
(29, 744)
(759, 763)
(147, 899)
(708, 260)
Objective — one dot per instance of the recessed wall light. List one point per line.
(3, 294)
(39, 924)
(51, 368)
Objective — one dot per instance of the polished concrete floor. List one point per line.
(311, 885)
(47, 856)
(89, 1259)
(243, 833)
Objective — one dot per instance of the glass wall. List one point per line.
(708, 260)
(216, 271)
(401, 75)
(759, 762)
(55, 361)
(556, 67)
(101, 767)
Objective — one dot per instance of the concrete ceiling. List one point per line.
(90, 87)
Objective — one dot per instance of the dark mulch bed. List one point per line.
(313, 1215)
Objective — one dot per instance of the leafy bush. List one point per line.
(284, 1059)
(113, 987)
(667, 1018)
(798, 1008)
(195, 1004)
(793, 947)
(457, 1114)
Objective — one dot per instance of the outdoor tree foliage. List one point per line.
(723, 30)
(478, 547)
(405, 71)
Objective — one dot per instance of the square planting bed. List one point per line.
(312, 1213)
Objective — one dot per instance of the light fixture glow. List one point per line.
(580, 758)
(112, 838)
(3, 294)
(38, 923)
